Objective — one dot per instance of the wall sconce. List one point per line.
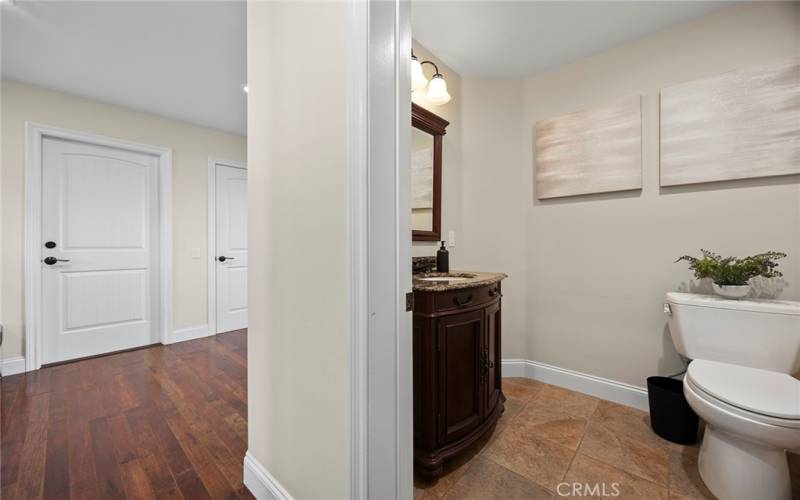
(437, 87)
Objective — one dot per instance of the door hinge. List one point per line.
(409, 301)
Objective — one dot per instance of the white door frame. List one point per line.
(379, 241)
(212, 236)
(34, 135)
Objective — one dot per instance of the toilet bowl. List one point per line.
(740, 384)
(752, 417)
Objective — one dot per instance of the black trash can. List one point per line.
(670, 414)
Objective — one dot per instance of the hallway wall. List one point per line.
(298, 371)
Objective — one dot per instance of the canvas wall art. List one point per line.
(597, 150)
(738, 125)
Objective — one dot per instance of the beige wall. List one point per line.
(495, 192)
(191, 146)
(597, 267)
(298, 396)
(451, 156)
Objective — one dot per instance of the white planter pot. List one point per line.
(732, 291)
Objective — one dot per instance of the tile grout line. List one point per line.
(583, 435)
(527, 402)
(511, 421)
(639, 476)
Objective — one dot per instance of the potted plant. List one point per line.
(731, 275)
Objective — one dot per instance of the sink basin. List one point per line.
(447, 277)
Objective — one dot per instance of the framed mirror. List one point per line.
(427, 130)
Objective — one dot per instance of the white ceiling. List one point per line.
(507, 39)
(184, 60)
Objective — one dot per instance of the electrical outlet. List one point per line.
(451, 238)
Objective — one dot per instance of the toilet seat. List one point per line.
(769, 397)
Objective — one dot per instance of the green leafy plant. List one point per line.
(732, 271)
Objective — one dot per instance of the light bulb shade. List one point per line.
(418, 96)
(418, 80)
(437, 91)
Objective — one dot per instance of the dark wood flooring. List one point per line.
(162, 422)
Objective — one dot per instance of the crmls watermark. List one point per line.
(588, 489)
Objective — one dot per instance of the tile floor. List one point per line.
(549, 435)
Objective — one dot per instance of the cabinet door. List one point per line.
(461, 387)
(493, 373)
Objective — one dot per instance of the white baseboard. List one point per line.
(191, 333)
(611, 390)
(12, 366)
(260, 482)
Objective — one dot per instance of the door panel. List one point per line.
(231, 236)
(494, 377)
(100, 208)
(460, 363)
(92, 183)
(98, 298)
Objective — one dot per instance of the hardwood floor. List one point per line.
(162, 422)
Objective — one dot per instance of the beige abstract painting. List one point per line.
(597, 150)
(738, 125)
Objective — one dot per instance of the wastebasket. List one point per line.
(670, 414)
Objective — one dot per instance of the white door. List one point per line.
(231, 252)
(100, 220)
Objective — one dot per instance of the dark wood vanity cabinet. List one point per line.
(457, 378)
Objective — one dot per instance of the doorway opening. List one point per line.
(227, 245)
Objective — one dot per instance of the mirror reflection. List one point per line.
(421, 180)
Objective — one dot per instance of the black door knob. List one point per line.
(52, 260)
(222, 258)
(50, 244)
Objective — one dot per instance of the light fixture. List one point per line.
(437, 88)
(418, 80)
(244, 87)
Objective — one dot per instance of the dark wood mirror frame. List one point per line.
(430, 123)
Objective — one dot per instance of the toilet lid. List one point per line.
(759, 391)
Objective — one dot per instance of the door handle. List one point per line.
(462, 302)
(52, 260)
(222, 258)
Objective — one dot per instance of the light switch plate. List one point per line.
(195, 253)
(451, 238)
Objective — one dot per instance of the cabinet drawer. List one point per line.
(468, 297)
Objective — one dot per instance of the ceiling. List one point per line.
(184, 59)
(187, 59)
(507, 39)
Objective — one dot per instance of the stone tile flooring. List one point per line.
(549, 436)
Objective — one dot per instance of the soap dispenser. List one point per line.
(443, 260)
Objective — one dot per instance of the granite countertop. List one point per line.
(472, 279)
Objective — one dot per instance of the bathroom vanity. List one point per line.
(458, 395)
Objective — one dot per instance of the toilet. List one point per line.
(740, 383)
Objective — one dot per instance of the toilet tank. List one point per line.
(757, 333)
